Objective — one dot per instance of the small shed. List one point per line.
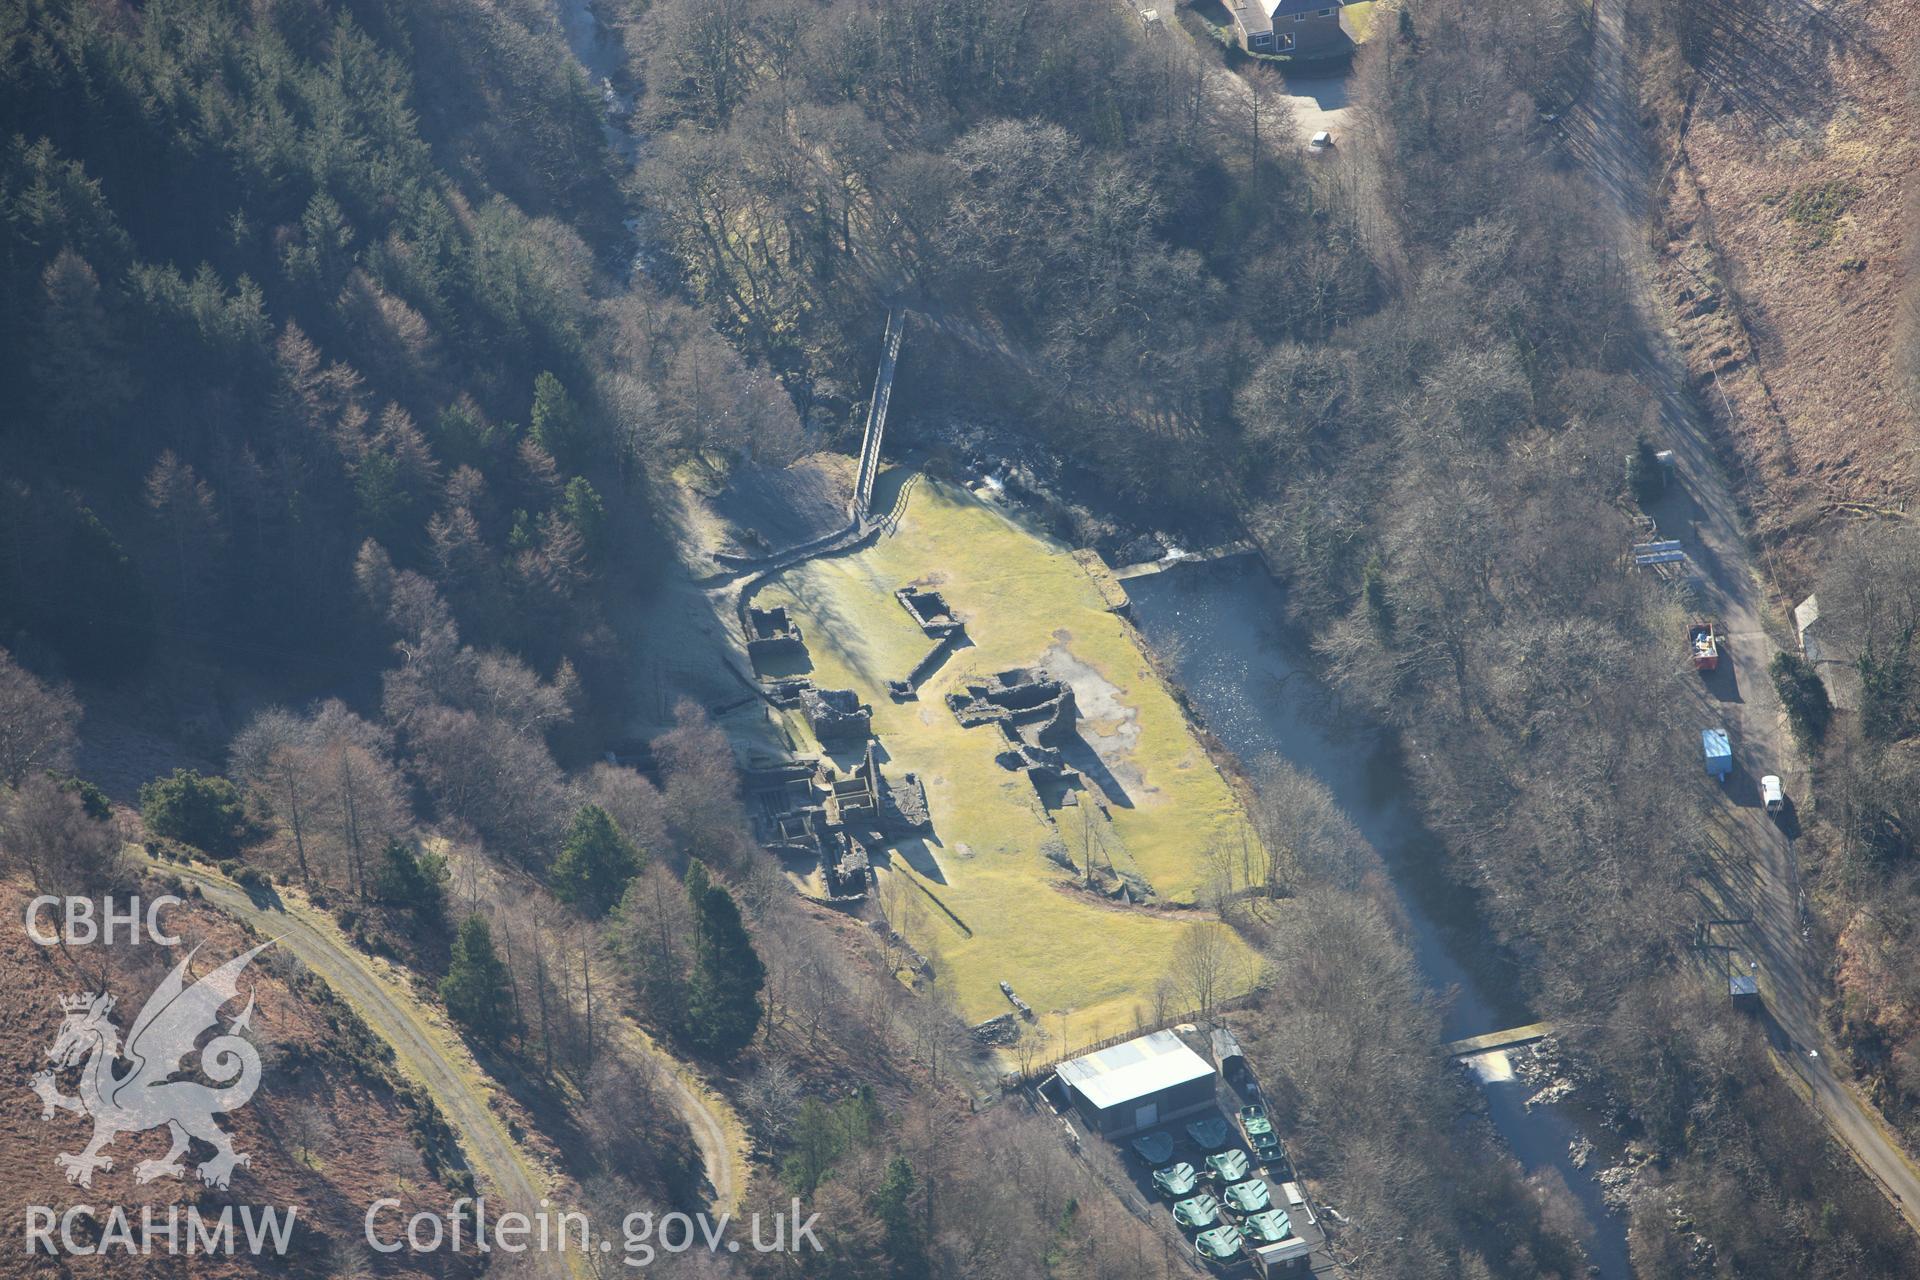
(1829, 653)
(1229, 1056)
(1717, 749)
(1806, 625)
(1138, 1084)
(1288, 1257)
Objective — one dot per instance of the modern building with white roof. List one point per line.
(1138, 1084)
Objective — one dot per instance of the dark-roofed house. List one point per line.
(1294, 27)
(1138, 1084)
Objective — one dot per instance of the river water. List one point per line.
(1217, 628)
(599, 54)
(602, 61)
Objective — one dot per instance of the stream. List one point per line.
(1217, 628)
(602, 58)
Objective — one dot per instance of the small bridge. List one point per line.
(1511, 1038)
(877, 415)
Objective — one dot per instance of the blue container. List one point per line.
(1718, 750)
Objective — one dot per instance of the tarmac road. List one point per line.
(1703, 514)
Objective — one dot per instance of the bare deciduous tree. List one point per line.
(273, 757)
(1207, 965)
(47, 832)
(771, 1099)
(39, 723)
(309, 1129)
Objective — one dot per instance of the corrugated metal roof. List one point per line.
(1134, 1069)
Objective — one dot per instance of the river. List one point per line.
(1217, 628)
(602, 61)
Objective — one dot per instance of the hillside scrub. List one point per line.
(1787, 219)
(324, 1074)
(1906, 351)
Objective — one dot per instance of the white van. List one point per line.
(1771, 795)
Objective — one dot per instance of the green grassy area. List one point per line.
(1024, 600)
(1816, 210)
(1360, 20)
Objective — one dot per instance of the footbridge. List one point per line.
(877, 415)
(1511, 1038)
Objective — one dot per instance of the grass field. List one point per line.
(1087, 967)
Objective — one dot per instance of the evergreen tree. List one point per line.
(596, 861)
(413, 879)
(476, 987)
(76, 357)
(823, 1134)
(556, 421)
(817, 1143)
(203, 812)
(93, 801)
(893, 1206)
(586, 513)
(325, 250)
(1804, 696)
(723, 990)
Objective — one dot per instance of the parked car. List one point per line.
(1322, 141)
(1771, 795)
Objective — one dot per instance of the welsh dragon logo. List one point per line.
(145, 1096)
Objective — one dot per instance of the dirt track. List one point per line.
(1705, 516)
(716, 1130)
(507, 1177)
(393, 1013)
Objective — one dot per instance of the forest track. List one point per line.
(716, 1128)
(426, 1050)
(1705, 515)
